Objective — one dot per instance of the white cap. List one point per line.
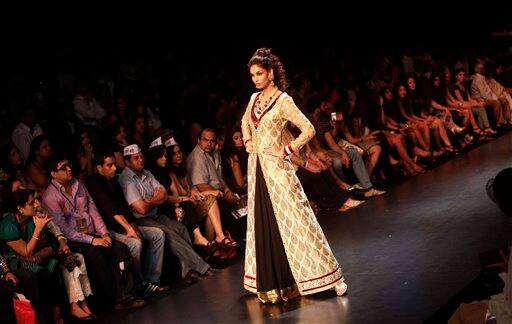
(156, 142)
(131, 150)
(170, 142)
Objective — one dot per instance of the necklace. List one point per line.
(260, 108)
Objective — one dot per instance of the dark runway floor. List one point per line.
(404, 254)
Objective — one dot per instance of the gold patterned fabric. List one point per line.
(311, 260)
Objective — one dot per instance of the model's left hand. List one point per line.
(274, 150)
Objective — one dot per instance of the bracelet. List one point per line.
(288, 150)
(37, 238)
(305, 164)
(246, 141)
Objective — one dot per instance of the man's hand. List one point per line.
(63, 247)
(107, 239)
(99, 242)
(133, 231)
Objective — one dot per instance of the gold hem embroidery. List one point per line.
(274, 296)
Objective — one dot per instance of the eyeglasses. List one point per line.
(65, 166)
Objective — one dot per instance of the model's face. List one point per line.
(108, 168)
(162, 161)
(260, 76)
(207, 141)
(402, 92)
(411, 83)
(461, 76)
(45, 150)
(177, 156)
(15, 157)
(136, 162)
(238, 140)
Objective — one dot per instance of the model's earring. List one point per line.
(272, 82)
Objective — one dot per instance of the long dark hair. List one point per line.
(5, 164)
(16, 199)
(35, 145)
(160, 173)
(180, 171)
(231, 150)
(265, 58)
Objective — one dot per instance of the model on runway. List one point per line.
(287, 254)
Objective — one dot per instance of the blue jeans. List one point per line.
(357, 165)
(153, 240)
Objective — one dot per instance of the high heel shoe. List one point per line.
(455, 129)
(350, 203)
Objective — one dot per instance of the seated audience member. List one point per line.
(326, 132)
(503, 96)
(144, 194)
(205, 202)
(462, 95)
(139, 132)
(26, 235)
(317, 183)
(481, 92)
(204, 164)
(87, 108)
(235, 160)
(36, 175)
(107, 194)
(119, 142)
(74, 211)
(11, 162)
(83, 154)
(177, 205)
(25, 132)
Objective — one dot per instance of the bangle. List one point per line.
(37, 238)
(246, 141)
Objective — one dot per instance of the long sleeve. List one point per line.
(99, 225)
(480, 89)
(52, 207)
(54, 229)
(297, 118)
(246, 129)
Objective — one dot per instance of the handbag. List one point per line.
(23, 310)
